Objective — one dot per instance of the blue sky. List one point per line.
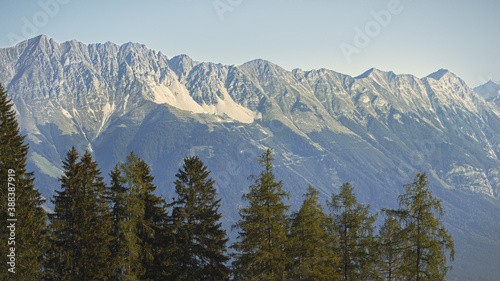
(415, 37)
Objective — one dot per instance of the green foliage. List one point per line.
(426, 239)
(139, 221)
(390, 243)
(263, 226)
(312, 246)
(199, 249)
(81, 223)
(117, 195)
(353, 225)
(16, 183)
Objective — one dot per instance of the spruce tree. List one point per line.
(263, 228)
(426, 239)
(96, 220)
(81, 223)
(199, 250)
(23, 219)
(312, 249)
(353, 225)
(60, 258)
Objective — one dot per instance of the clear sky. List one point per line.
(415, 37)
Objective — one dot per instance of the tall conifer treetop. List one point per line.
(199, 250)
(353, 224)
(20, 201)
(312, 246)
(81, 223)
(141, 215)
(426, 239)
(263, 228)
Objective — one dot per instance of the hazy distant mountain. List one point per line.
(490, 91)
(375, 130)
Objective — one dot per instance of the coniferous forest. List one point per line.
(115, 227)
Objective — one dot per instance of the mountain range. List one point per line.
(376, 130)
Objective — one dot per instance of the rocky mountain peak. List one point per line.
(439, 74)
(366, 74)
(41, 41)
(261, 66)
(376, 74)
(35, 47)
(182, 65)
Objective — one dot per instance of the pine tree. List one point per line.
(263, 226)
(353, 225)
(200, 242)
(313, 252)
(116, 196)
(24, 221)
(81, 223)
(390, 248)
(426, 239)
(139, 227)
